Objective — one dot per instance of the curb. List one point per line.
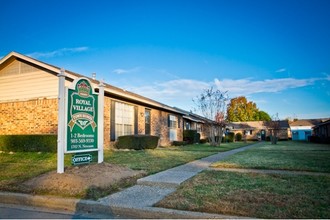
(95, 207)
(51, 202)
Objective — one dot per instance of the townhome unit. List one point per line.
(302, 128)
(29, 104)
(321, 131)
(259, 130)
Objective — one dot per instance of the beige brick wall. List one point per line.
(159, 127)
(29, 117)
(40, 117)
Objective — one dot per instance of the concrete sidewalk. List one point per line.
(136, 201)
(151, 189)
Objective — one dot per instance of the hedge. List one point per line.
(191, 136)
(238, 136)
(229, 137)
(203, 141)
(179, 143)
(137, 142)
(28, 143)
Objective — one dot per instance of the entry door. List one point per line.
(263, 135)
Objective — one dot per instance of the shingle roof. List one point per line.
(255, 125)
(306, 122)
(109, 89)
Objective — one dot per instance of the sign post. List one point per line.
(100, 122)
(61, 122)
(80, 121)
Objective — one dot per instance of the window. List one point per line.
(124, 119)
(173, 121)
(199, 128)
(147, 117)
(173, 124)
(248, 132)
(187, 127)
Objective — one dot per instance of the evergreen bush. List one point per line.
(191, 136)
(238, 136)
(179, 143)
(203, 141)
(229, 137)
(137, 142)
(28, 143)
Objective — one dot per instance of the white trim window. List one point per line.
(124, 120)
(173, 124)
(199, 127)
(248, 132)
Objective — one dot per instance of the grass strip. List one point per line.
(300, 156)
(253, 195)
(153, 161)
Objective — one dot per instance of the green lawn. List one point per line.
(262, 195)
(153, 161)
(253, 195)
(286, 155)
(20, 166)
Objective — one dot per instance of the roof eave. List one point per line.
(70, 75)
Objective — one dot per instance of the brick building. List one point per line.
(259, 130)
(29, 104)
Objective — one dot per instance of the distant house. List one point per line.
(302, 129)
(321, 132)
(29, 104)
(258, 130)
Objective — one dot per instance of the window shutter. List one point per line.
(113, 121)
(168, 121)
(135, 120)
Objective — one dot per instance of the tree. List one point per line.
(239, 109)
(212, 104)
(274, 126)
(264, 116)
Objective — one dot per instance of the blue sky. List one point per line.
(274, 52)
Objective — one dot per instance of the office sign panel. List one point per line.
(81, 117)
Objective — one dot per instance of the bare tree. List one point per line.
(212, 105)
(274, 126)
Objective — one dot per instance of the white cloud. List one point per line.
(191, 88)
(120, 71)
(178, 92)
(59, 52)
(280, 70)
(124, 71)
(327, 76)
(248, 86)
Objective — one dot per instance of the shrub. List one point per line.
(179, 143)
(28, 143)
(137, 142)
(238, 136)
(203, 141)
(229, 137)
(191, 136)
(198, 138)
